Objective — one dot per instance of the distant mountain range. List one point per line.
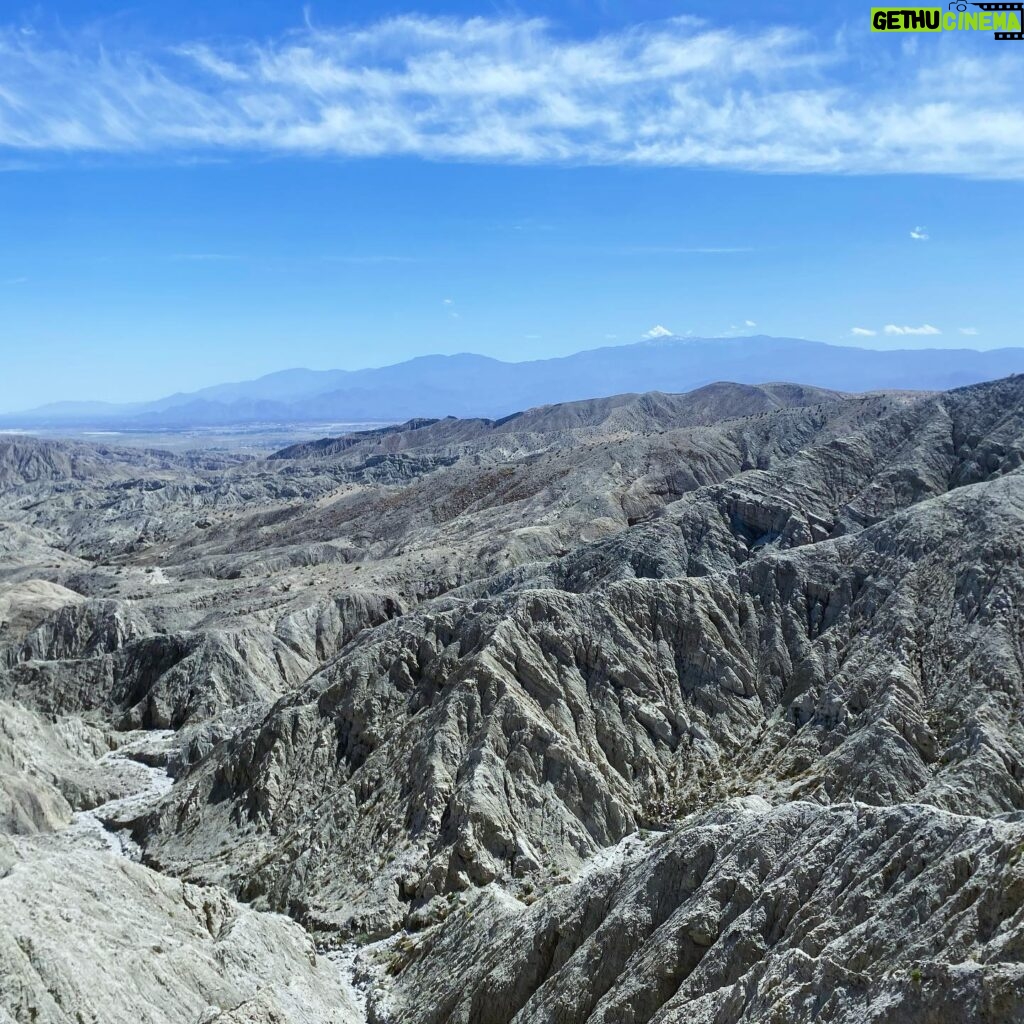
(474, 385)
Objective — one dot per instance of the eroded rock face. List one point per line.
(46, 769)
(620, 711)
(518, 736)
(802, 912)
(85, 936)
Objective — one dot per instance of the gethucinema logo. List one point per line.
(1004, 20)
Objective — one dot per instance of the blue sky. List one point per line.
(195, 193)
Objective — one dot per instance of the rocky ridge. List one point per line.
(701, 707)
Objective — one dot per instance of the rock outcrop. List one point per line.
(87, 936)
(651, 709)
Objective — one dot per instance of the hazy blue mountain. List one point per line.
(473, 385)
(63, 410)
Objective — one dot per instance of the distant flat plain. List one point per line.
(255, 439)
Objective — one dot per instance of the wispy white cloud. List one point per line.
(206, 59)
(969, 331)
(657, 332)
(862, 332)
(749, 323)
(923, 329)
(676, 92)
(919, 234)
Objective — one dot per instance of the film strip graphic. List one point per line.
(1018, 7)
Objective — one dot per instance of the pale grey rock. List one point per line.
(517, 736)
(800, 913)
(85, 936)
(48, 769)
(659, 708)
(88, 935)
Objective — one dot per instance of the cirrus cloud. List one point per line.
(508, 89)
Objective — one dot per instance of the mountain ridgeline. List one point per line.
(477, 386)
